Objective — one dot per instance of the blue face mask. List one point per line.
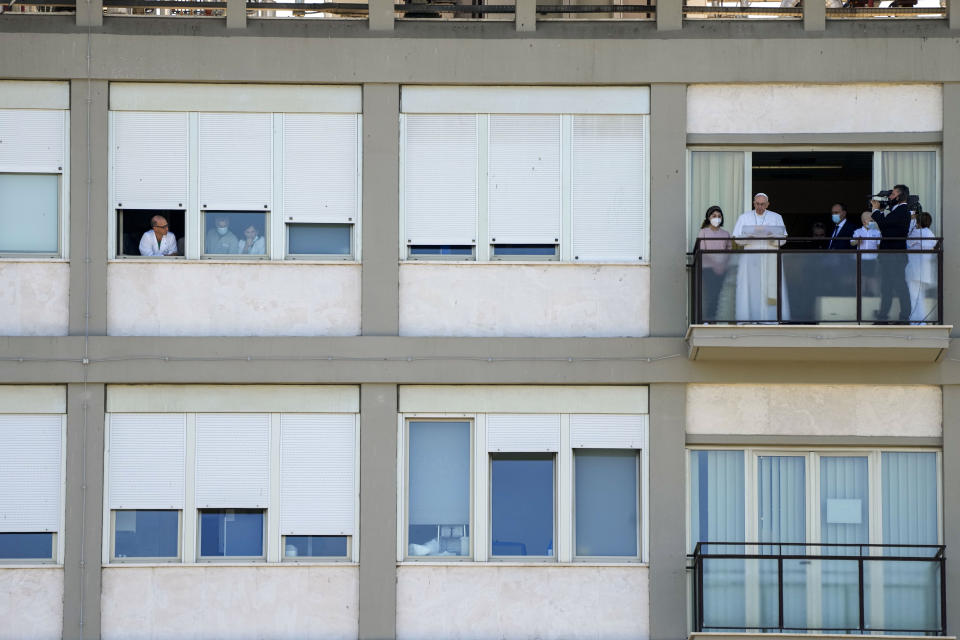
(836, 218)
(873, 225)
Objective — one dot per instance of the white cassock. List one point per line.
(921, 272)
(757, 274)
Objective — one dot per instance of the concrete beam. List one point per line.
(669, 15)
(668, 233)
(380, 288)
(814, 15)
(668, 576)
(380, 15)
(378, 512)
(526, 15)
(89, 13)
(236, 14)
(89, 152)
(83, 527)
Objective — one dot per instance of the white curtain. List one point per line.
(911, 598)
(917, 170)
(717, 514)
(716, 178)
(782, 517)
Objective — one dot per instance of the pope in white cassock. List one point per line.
(757, 274)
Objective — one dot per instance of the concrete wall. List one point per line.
(489, 601)
(295, 602)
(814, 410)
(31, 603)
(813, 108)
(34, 298)
(556, 300)
(177, 298)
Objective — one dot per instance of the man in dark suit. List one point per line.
(894, 226)
(842, 228)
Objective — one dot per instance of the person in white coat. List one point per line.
(921, 267)
(757, 274)
(252, 242)
(158, 241)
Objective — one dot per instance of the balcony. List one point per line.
(803, 301)
(855, 589)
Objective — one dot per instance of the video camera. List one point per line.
(913, 202)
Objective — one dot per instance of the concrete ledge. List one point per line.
(796, 636)
(832, 343)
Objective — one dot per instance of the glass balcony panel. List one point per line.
(724, 593)
(902, 595)
(821, 285)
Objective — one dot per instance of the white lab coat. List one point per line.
(148, 244)
(258, 248)
(920, 272)
(756, 274)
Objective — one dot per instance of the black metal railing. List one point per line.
(767, 587)
(804, 282)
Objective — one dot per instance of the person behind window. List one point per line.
(158, 241)
(220, 240)
(921, 267)
(866, 238)
(252, 242)
(713, 237)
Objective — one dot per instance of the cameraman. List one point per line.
(894, 226)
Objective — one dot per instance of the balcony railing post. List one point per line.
(940, 260)
(780, 592)
(943, 595)
(779, 276)
(699, 587)
(859, 288)
(860, 589)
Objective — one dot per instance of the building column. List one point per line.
(669, 15)
(814, 15)
(236, 14)
(89, 13)
(378, 512)
(949, 196)
(951, 507)
(668, 229)
(380, 15)
(380, 286)
(668, 575)
(526, 15)
(83, 528)
(89, 157)
(953, 14)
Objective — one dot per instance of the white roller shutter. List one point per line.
(32, 140)
(147, 460)
(440, 179)
(320, 167)
(30, 473)
(233, 460)
(523, 179)
(523, 433)
(317, 492)
(236, 161)
(608, 431)
(151, 160)
(609, 193)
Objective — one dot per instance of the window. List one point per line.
(136, 235)
(283, 185)
(523, 173)
(225, 510)
(501, 487)
(33, 182)
(30, 486)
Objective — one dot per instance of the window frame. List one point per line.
(264, 542)
(638, 461)
(553, 457)
(113, 559)
(284, 558)
(212, 213)
(319, 257)
(6, 563)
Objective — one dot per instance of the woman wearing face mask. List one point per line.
(713, 237)
(867, 239)
(252, 242)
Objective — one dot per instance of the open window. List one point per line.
(135, 226)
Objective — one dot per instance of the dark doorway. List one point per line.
(803, 185)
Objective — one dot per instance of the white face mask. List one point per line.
(872, 225)
(715, 222)
(836, 218)
(222, 230)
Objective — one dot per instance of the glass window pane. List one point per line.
(521, 498)
(26, 546)
(445, 250)
(521, 250)
(716, 498)
(234, 233)
(439, 479)
(29, 213)
(606, 502)
(315, 546)
(319, 239)
(231, 533)
(146, 534)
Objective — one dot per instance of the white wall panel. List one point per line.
(32, 140)
(236, 161)
(596, 100)
(33, 398)
(31, 603)
(320, 160)
(231, 398)
(440, 179)
(502, 299)
(34, 298)
(523, 432)
(523, 179)
(34, 94)
(151, 160)
(521, 398)
(233, 461)
(255, 98)
(231, 299)
(608, 431)
(813, 108)
(30, 472)
(317, 492)
(609, 198)
(147, 459)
